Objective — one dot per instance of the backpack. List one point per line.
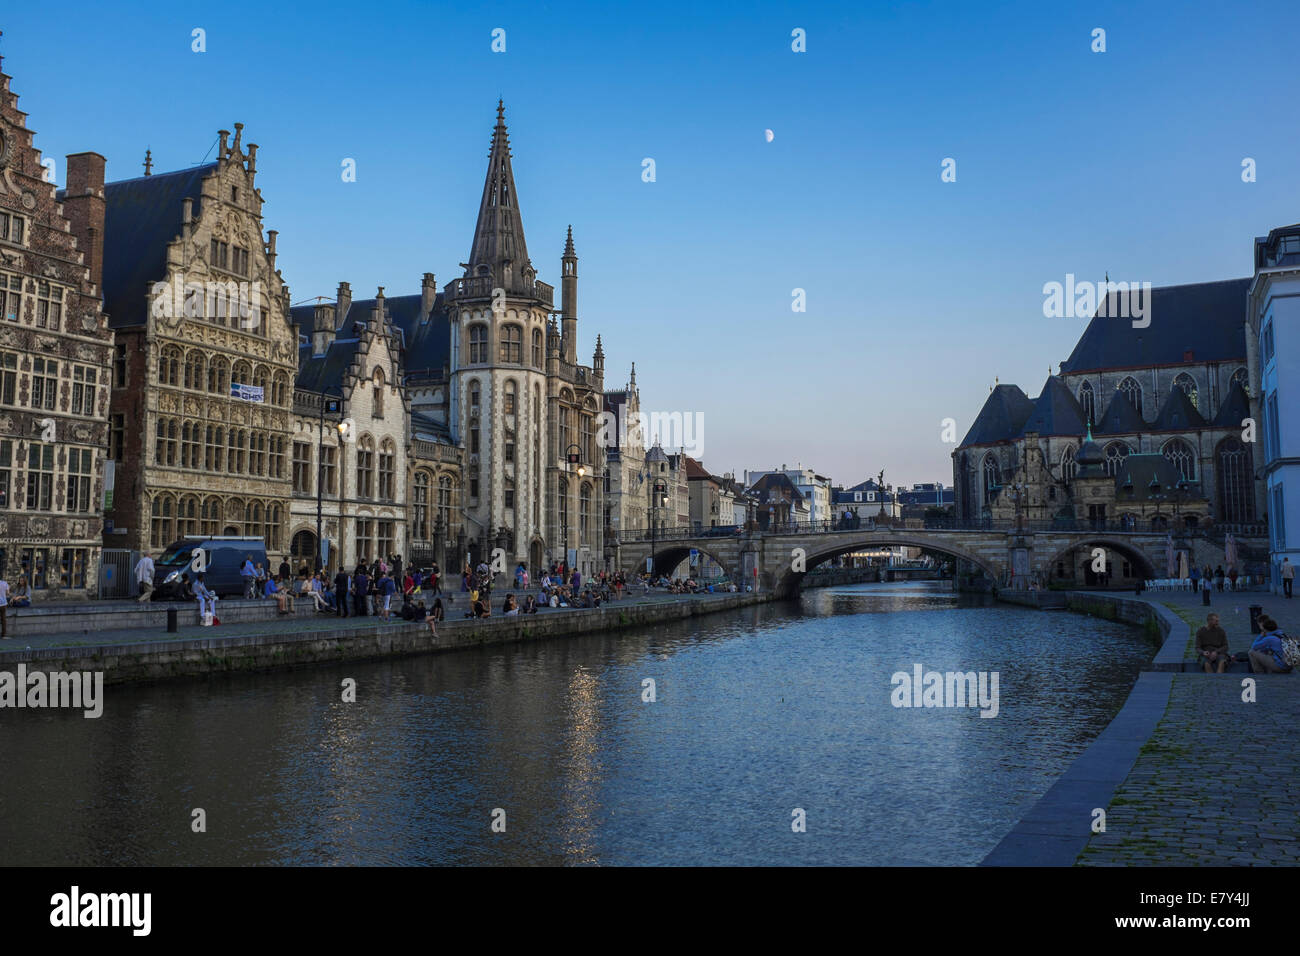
(1290, 650)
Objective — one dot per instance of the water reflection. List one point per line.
(758, 711)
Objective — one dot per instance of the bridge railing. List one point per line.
(1145, 526)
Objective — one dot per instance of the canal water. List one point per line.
(758, 713)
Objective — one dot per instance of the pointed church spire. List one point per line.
(498, 245)
(568, 245)
(632, 382)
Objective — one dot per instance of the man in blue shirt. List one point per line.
(1267, 655)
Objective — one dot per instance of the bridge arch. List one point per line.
(668, 554)
(1143, 564)
(787, 581)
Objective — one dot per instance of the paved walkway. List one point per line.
(305, 626)
(1216, 781)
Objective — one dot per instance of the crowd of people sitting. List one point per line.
(1271, 652)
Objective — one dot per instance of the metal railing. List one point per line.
(1009, 525)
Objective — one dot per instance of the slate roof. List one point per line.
(426, 346)
(141, 218)
(775, 486)
(1056, 411)
(1004, 411)
(1120, 417)
(1236, 407)
(427, 428)
(1141, 469)
(1205, 318)
(1178, 413)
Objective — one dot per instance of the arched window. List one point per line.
(508, 493)
(194, 370)
(210, 517)
(262, 379)
(566, 437)
(161, 528)
(475, 395)
(478, 337)
(1188, 385)
(420, 507)
(1133, 392)
(510, 398)
(1240, 377)
(444, 503)
(219, 376)
(273, 527)
(584, 513)
(191, 445)
(257, 453)
(241, 374)
(1184, 459)
(537, 348)
(187, 517)
(1234, 470)
(366, 467)
(511, 349)
(992, 477)
(280, 390)
(1088, 402)
(1068, 467)
(377, 400)
(587, 440)
(169, 366)
(255, 527)
(387, 470)
(1116, 452)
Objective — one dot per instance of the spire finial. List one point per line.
(568, 245)
(148, 162)
(501, 112)
(1089, 429)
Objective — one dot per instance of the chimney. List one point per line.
(252, 160)
(342, 303)
(322, 335)
(428, 293)
(224, 135)
(377, 311)
(84, 209)
(270, 247)
(187, 216)
(235, 149)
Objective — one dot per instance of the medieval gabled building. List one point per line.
(1174, 390)
(502, 449)
(204, 356)
(55, 350)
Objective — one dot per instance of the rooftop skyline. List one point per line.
(919, 292)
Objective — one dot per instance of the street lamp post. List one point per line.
(573, 456)
(333, 407)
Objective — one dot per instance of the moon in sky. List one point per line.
(768, 134)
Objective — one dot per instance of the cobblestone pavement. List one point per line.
(1216, 782)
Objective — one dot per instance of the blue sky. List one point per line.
(918, 292)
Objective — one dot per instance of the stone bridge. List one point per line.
(781, 558)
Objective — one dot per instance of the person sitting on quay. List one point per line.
(1212, 645)
(530, 605)
(510, 608)
(206, 598)
(480, 610)
(272, 589)
(312, 587)
(1267, 655)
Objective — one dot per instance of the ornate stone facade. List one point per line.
(207, 353)
(55, 348)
